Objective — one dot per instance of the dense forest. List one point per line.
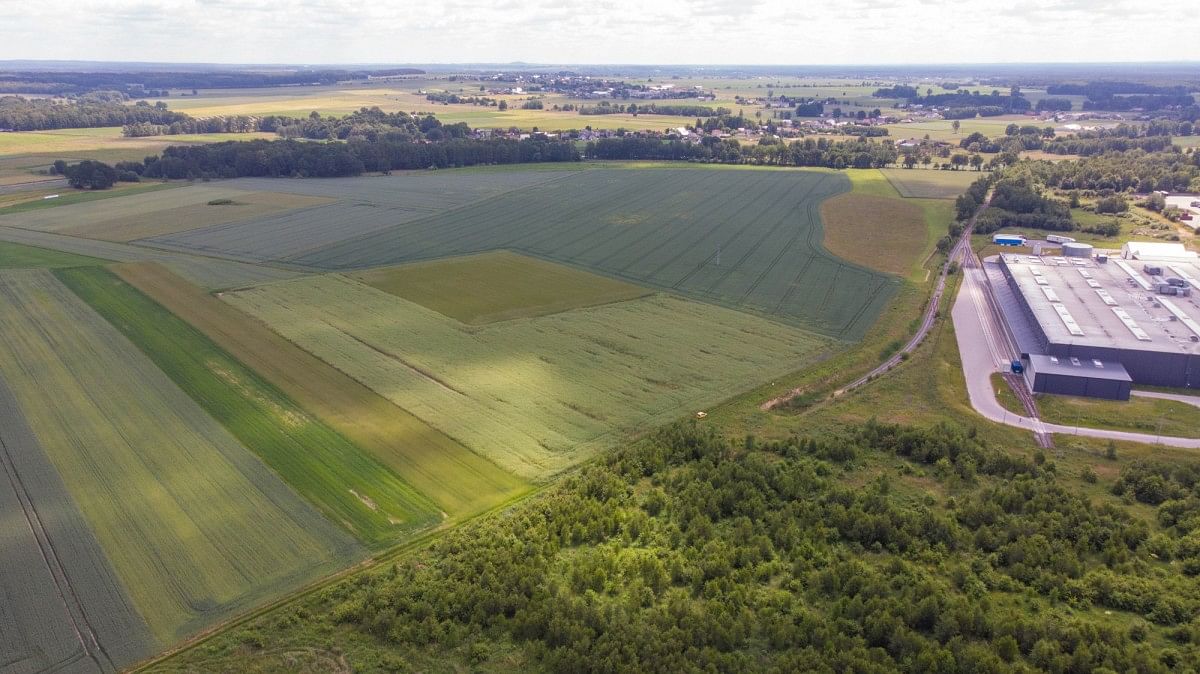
(686, 553)
(233, 159)
(92, 110)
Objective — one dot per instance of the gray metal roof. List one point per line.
(1078, 367)
(1077, 301)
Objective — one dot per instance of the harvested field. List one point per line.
(882, 233)
(193, 525)
(490, 287)
(348, 485)
(536, 395)
(927, 184)
(458, 480)
(205, 271)
(365, 206)
(64, 608)
(743, 239)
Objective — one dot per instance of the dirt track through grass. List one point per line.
(194, 526)
(460, 481)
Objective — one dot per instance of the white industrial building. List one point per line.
(1156, 250)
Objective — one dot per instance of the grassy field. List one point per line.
(364, 206)
(873, 226)
(78, 143)
(747, 240)
(928, 184)
(17, 256)
(22, 202)
(1186, 141)
(81, 213)
(458, 480)
(56, 581)
(193, 525)
(209, 272)
(498, 286)
(535, 395)
(232, 206)
(349, 486)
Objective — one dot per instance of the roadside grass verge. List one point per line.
(458, 480)
(349, 486)
(1138, 415)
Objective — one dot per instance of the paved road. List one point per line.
(961, 249)
(983, 347)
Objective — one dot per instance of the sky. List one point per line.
(750, 32)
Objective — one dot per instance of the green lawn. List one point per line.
(348, 485)
(72, 196)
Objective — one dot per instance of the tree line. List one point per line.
(686, 552)
(134, 83)
(93, 110)
(858, 153)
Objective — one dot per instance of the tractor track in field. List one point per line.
(71, 604)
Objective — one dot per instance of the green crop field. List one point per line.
(929, 184)
(63, 604)
(743, 239)
(903, 231)
(17, 256)
(535, 395)
(349, 486)
(364, 206)
(497, 286)
(206, 271)
(68, 196)
(211, 210)
(458, 480)
(193, 525)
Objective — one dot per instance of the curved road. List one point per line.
(961, 247)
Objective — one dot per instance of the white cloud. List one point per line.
(595, 31)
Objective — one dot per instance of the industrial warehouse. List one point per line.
(1096, 324)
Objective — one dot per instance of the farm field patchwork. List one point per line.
(18, 256)
(66, 215)
(497, 286)
(743, 239)
(928, 184)
(229, 206)
(457, 479)
(902, 232)
(535, 395)
(350, 487)
(194, 526)
(64, 609)
(206, 271)
(365, 206)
